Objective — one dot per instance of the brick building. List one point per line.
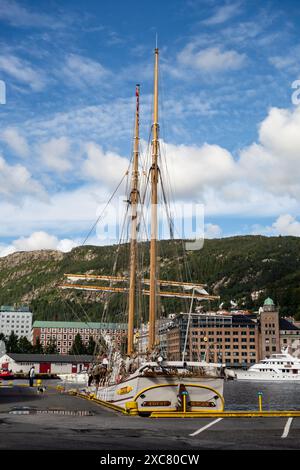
(269, 329)
(63, 333)
(232, 338)
(227, 338)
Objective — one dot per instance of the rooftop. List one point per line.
(10, 308)
(66, 358)
(79, 325)
(285, 324)
(268, 301)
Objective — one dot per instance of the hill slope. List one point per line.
(231, 267)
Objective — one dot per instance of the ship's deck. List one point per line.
(82, 424)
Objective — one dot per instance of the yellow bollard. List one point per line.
(184, 395)
(260, 401)
(132, 408)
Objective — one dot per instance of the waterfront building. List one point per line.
(142, 335)
(231, 339)
(237, 338)
(269, 329)
(17, 320)
(45, 363)
(289, 336)
(63, 333)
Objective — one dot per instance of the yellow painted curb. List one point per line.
(226, 414)
(99, 402)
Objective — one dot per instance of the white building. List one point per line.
(18, 320)
(45, 363)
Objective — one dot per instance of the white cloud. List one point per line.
(222, 14)
(105, 167)
(286, 225)
(211, 59)
(38, 241)
(62, 213)
(55, 154)
(205, 166)
(212, 231)
(22, 71)
(16, 180)
(83, 71)
(274, 162)
(12, 137)
(6, 250)
(288, 62)
(17, 15)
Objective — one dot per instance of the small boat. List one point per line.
(281, 367)
(6, 375)
(80, 378)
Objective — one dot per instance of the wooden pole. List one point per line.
(154, 184)
(133, 241)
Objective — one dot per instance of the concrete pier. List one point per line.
(52, 420)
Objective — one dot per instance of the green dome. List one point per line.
(268, 301)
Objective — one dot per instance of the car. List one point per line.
(6, 375)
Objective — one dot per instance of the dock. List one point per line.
(59, 421)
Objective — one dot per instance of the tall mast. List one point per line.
(134, 194)
(154, 183)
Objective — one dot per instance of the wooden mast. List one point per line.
(154, 184)
(134, 195)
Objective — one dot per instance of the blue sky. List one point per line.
(230, 131)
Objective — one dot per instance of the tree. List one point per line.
(51, 347)
(11, 343)
(24, 345)
(78, 347)
(37, 348)
(91, 347)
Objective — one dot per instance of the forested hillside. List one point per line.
(233, 268)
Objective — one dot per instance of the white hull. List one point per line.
(80, 379)
(164, 393)
(278, 368)
(266, 377)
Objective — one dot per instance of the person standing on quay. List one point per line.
(31, 376)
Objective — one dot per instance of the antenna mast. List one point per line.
(154, 183)
(134, 195)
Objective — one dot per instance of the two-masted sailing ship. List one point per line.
(150, 382)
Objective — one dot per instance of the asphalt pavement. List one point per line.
(57, 421)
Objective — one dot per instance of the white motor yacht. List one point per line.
(279, 367)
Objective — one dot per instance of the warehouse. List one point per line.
(45, 363)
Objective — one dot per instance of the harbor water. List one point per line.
(275, 395)
(239, 395)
